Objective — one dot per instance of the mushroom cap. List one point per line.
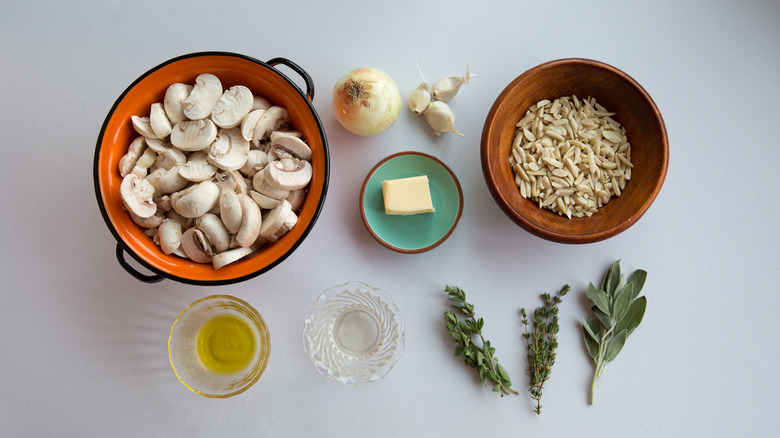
(230, 150)
(198, 168)
(292, 144)
(280, 178)
(137, 194)
(203, 98)
(193, 135)
(196, 200)
(196, 246)
(172, 103)
(232, 106)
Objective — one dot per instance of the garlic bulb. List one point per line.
(445, 89)
(440, 117)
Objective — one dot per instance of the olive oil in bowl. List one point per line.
(226, 344)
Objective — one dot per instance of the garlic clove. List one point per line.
(445, 89)
(420, 98)
(439, 116)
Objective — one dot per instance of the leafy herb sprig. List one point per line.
(617, 312)
(480, 356)
(542, 342)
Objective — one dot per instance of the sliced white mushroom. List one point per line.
(227, 257)
(174, 96)
(294, 145)
(230, 210)
(170, 158)
(259, 102)
(232, 106)
(196, 246)
(198, 168)
(272, 119)
(166, 181)
(256, 160)
(193, 135)
(169, 236)
(203, 97)
(263, 201)
(296, 199)
(136, 149)
(230, 150)
(278, 176)
(145, 161)
(152, 221)
(196, 200)
(215, 231)
(288, 225)
(181, 220)
(158, 120)
(137, 196)
(249, 123)
(163, 203)
(157, 144)
(275, 219)
(261, 185)
(276, 134)
(231, 180)
(143, 126)
(251, 221)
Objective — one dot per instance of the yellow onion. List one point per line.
(366, 101)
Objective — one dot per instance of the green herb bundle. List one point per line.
(617, 312)
(542, 342)
(482, 356)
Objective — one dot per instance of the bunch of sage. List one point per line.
(617, 310)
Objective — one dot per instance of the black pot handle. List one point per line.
(120, 256)
(297, 69)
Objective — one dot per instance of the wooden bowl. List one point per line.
(617, 92)
(117, 133)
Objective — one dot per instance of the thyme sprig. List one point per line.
(476, 355)
(617, 312)
(541, 342)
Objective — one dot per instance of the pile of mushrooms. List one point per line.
(214, 174)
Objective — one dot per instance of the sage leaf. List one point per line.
(598, 297)
(615, 346)
(634, 315)
(603, 318)
(637, 278)
(613, 278)
(589, 330)
(593, 347)
(622, 301)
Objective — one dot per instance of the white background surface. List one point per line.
(83, 344)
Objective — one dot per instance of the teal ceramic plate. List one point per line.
(419, 232)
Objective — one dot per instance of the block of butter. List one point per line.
(407, 196)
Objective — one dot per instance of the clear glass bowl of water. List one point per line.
(354, 333)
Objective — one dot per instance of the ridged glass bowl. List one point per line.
(354, 333)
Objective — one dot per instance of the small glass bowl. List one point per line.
(188, 366)
(354, 333)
